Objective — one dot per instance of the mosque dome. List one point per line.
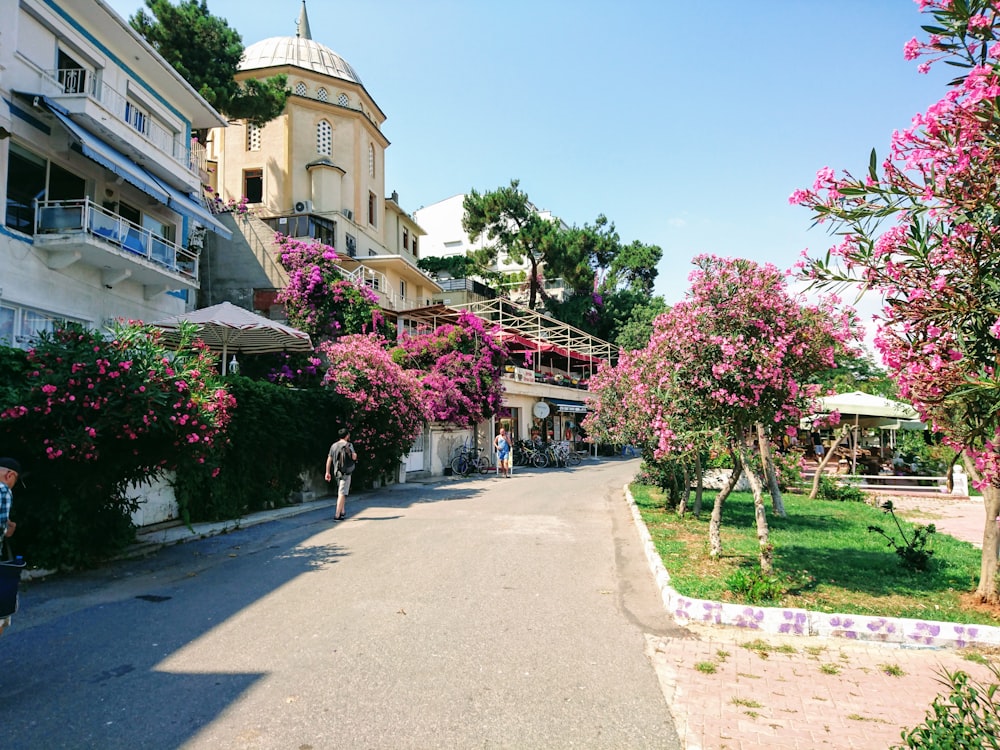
(299, 50)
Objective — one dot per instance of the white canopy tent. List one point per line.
(866, 410)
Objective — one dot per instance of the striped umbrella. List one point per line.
(227, 328)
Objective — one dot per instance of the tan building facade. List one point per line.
(318, 170)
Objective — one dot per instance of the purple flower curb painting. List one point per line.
(790, 621)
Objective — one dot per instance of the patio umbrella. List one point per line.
(227, 328)
(858, 404)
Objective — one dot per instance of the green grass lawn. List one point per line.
(831, 561)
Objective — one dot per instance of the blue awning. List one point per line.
(110, 157)
(569, 407)
(116, 162)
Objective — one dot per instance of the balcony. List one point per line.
(84, 94)
(80, 231)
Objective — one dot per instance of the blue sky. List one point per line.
(687, 124)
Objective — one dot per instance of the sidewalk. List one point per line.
(736, 688)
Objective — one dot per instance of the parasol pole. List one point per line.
(224, 347)
(854, 448)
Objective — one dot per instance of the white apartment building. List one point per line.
(442, 222)
(100, 179)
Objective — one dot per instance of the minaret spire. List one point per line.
(302, 27)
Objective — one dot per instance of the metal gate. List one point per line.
(415, 458)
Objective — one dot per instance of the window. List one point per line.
(6, 325)
(253, 185)
(25, 182)
(402, 289)
(137, 117)
(322, 95)
(31, 178)
(324, 138)
(371, 160)
(305, 225)
(300, 89)
(413, 246)
(372, 209)
(352, 245)
(342, 100)
(406, 239)
(73, 77)
(253, 137)
(20, 326)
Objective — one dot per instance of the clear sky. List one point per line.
(687, 124)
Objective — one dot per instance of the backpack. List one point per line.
(342, 462)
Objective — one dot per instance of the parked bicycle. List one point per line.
(469, 460)
(527, 453)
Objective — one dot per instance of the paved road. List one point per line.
(485, 613)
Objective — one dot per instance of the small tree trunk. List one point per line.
(763, 533)
(767, 460)
(715, 525)
(685, 492)
(826, 459)
(988, 589)
(700, 488)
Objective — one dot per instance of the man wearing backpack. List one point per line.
(340, 465)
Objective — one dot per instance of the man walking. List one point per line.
(340, 465)
(10, 469)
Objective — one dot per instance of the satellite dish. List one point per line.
(540, 410)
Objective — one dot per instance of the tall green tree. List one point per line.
(512, 225)
(207, 53)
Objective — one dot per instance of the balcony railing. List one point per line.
(87, 217)
(82, 82)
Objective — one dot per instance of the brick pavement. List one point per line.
(734, 689)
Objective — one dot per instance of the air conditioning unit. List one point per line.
(348, 213)
(303, 207)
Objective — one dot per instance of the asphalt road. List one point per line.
(480, 613)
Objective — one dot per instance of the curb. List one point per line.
(898, 631)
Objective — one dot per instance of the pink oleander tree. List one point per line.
(459, 366)
(920, 229)
(388, 401)
(92, 416)
(737, 351)
(318, 299)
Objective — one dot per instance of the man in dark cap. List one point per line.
(10, 470)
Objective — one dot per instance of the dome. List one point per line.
(301, 52)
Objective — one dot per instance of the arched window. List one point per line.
(342, 100)
(371, 160)
(300, 89)
(322, 95)
(324, 138)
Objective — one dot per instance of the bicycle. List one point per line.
(469, 460)
(567, 455)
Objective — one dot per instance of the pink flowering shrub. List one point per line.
(385, 403)
(318, 300)
(92, 416)
(460, 369)
(739, 349)
(920, 229)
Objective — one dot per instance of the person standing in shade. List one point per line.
(10, 470)
(502, 446)
(340, 465)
